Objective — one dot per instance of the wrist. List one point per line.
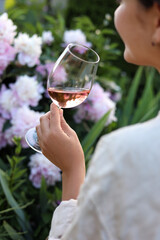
(72, 181)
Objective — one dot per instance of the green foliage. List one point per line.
(18, 201)
(96, 9)
(26, 15)
(101, 13)
(10, 181)
(93, 135)
(139, 109)
(12, 233)
(128, 107)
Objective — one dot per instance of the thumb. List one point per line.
(54, 117)
(64, 125)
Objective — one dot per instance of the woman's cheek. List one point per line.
(117, 19)
(121, 21)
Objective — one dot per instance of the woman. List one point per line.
(120, 197)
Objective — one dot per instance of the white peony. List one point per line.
(29, 49)
(75, 36)
(28, 90)
(47, 37)
(8, 100)
(7, 29)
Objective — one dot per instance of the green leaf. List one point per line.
(18, 159)
(39, 28)
(58, 193)
(12, 209)
(3, 165)
(50, 19)
(19, 173)
(129, 105)
(61, 22)
(12, 202)
(94, 133)
(29, 27)
(18, 184)
(6, 125)
(12, 232)
(153, 109)
(43, 195)
(16, 13)
(17, 141)
(146, 98)
(108, 31)
(88, 156)
(7, 210)
(11, 162)
(84, 23)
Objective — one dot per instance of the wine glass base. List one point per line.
(32, 140)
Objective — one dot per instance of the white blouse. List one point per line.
(120, 199)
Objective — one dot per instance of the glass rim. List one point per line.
(77, 44)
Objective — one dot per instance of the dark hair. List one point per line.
(149, 3)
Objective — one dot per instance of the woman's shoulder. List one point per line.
(128, 146)
(123, 179)
(125, 153)
(133, 137)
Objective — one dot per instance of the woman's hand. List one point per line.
(60, 144)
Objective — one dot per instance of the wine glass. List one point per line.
(69, 82)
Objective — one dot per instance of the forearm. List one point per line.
(72, 181)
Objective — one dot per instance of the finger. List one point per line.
(54, 117)
(39, 134)
(45, 122)
(64, 125)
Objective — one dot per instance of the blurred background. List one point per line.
(33, 34)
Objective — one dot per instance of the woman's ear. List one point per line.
(156, 35)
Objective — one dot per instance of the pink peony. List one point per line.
(95, 106)
(7, 34)
(22, 120)
(60, 75)
(41, 166)
(45, 69)
(41, 70)
(7, 54)
(49, 66)
(8, 102)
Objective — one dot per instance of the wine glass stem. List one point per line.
(58, 106)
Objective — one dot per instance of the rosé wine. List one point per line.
(68, 97)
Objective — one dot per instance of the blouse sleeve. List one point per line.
(76, 223)
(62, 218)
(87, 224)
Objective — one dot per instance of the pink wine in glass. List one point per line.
(68, 97)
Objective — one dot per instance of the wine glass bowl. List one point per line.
(79, 65)
(70, 81)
